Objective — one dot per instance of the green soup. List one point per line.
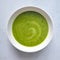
(30, 28)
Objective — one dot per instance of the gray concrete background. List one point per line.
(8, 52)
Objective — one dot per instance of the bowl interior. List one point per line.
(24, 48)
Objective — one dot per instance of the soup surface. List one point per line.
(30, 28)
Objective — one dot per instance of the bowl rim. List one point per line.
(37, 47)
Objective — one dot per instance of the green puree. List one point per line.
(30, 28)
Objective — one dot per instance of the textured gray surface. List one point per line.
(8, 52)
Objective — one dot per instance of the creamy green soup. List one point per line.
(30, 28)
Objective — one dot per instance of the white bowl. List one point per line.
(25, 48)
